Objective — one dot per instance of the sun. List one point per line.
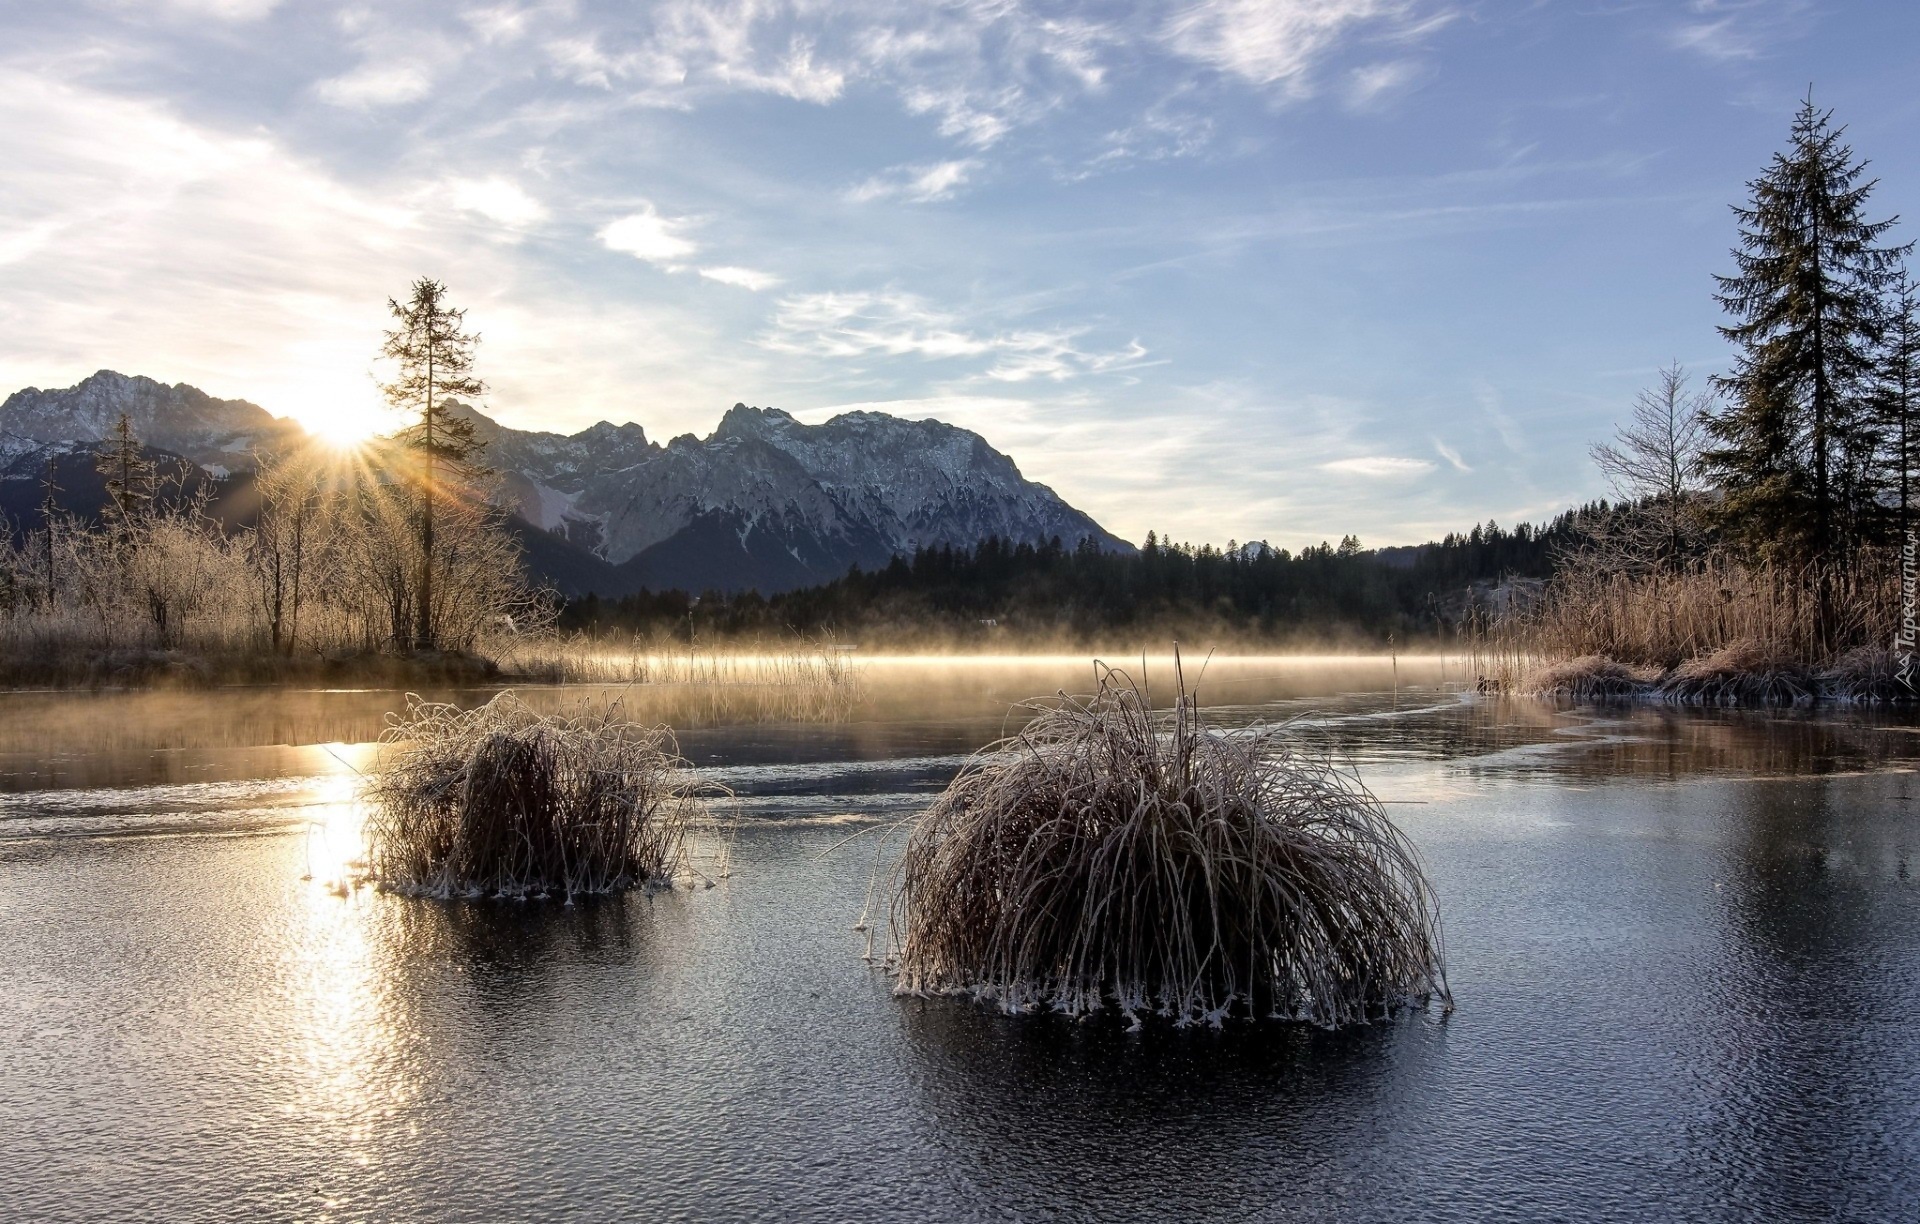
(343, 428)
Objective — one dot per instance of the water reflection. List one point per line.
(1803, 1041)
(1173, 1125)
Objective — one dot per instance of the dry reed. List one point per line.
(1111, 854)
(787, 682)
(502, 801)
(1720, 633)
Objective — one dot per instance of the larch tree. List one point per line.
(1806, 306)
(434, 360)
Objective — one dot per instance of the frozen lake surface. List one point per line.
(1685, 948)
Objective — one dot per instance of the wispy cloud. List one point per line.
(399, 63)
(922, 184)
(1730, 30)
(744, 278)
(892, 324)
(1270, 42)
(1369, 86)
(1378, 466)
(1451, 455)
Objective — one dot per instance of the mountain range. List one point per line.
(764, 502)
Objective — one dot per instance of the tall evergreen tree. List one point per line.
(1806, 307)
(435, 360)
(50, 516)
(129, 476)
(1900, 398)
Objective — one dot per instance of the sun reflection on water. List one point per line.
(349, 1047)
(335, 835)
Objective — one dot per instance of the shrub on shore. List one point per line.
(1111, 854)
(502, 801)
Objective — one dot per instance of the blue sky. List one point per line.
(1227, 269)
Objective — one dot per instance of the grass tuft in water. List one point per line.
(502, 801)
(1108, 854)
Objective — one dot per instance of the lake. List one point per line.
(1682, 944)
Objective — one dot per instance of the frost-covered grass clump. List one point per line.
(1108, 854)
(503, 801)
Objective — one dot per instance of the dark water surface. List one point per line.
(1685, 948)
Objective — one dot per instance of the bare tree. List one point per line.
(284, 534)
(1655, 465)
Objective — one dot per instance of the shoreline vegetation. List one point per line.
(1716, 634)
(1762, 549)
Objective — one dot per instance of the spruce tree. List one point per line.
(1806, 306)
(129, 477)
(50, 516)
(435, 360)
(1900, 399)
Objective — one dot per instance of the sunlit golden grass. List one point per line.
(1718, 634)
(1111, 855)
(788, 682)
(502, 801)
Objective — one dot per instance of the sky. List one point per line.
(1225, 269)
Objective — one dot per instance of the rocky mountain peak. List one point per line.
(179, 418)
(764, 501)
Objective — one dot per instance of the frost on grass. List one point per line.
(503, 801)
(1111, 855)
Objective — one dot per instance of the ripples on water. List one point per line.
(1682, 944)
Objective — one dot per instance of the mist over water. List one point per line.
(1681, 944)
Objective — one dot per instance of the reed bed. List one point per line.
(1717, 634)
(1109, 854)
(789, 682)
(502, 801)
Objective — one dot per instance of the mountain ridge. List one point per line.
(764, 502)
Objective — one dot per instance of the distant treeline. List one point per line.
(1035, 594)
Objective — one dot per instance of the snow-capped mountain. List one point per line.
(764, 501)
(764, 494)
(220, 435)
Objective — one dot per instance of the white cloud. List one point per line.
(922, 184)
(497, 199)
(745, 278)
(378, 83)
(1378, 466)
(151, 244)
(648, 235)
(892, 324)
(1374, 83)
(794, 75)
(1269, 41)
(224, 10)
